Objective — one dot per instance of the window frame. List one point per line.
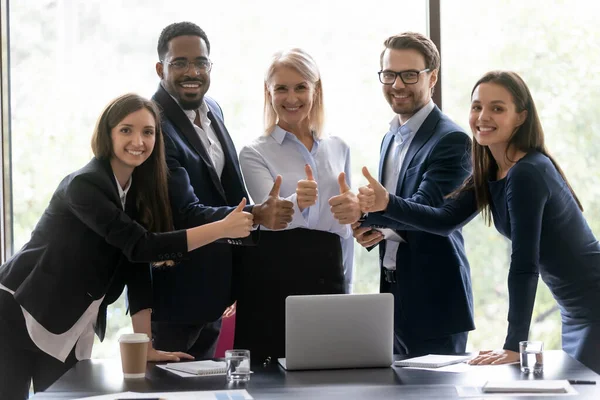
(6, 194)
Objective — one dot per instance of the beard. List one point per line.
(415, 102)
(187, 101)
(191, 104)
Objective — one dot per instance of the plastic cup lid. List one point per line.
(134, 338)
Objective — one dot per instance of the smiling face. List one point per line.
(132, 141)
(187, 86)
(493, 118)
(292, 98)
(407, 99)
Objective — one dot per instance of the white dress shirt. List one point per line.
(208, 137)
(403, 136)
(281, 153)
(81, 334)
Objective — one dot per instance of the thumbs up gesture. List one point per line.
(345, 207)
(274, 212)
(306, 191)
(238, 223)
(373, 197)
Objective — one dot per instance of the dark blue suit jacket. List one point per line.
(85, 247)
(199, 289)
(435, 297)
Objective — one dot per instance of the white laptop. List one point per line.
(339, 331)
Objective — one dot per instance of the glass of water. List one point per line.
(532, 357)
(238, 365)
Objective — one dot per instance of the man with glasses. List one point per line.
(424, 157)
(190, 297)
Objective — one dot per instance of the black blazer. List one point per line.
(436, 297)
(198, 290)
(84, 247)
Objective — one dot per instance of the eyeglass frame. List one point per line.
(208, 68)
(399, 74)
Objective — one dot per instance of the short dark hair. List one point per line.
(179, 29)
(415, 41)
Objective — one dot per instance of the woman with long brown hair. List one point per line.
(104, 224)
(517, 184)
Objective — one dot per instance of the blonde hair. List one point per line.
(304, 64)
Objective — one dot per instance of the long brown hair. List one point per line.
(528, 137)
(150, 178)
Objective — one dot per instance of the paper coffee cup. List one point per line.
(134, 353)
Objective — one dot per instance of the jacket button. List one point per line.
(160, 257)
(179, 255)
(173, 255)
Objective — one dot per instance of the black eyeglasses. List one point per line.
(408, 77)
(184, 65)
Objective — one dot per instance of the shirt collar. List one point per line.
(202, 111)
(123, 192)
(279, 134)
(414, 123)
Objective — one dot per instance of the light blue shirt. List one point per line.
(281, 153)
(403, 136)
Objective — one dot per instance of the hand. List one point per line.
(158, 355)
(366, 236)
(345, 207)
(373, 197)
(306, 191)
(238, 223)
(496, 357)
(229, 311)
(274, 213)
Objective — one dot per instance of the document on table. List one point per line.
(204, 395)
(431, 361)
(521, 388)
(181, 373)
(463, 367)
(198, 368)
(527, 386)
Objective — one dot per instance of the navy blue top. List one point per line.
(534, 208)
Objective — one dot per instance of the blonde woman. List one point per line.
(313, 255)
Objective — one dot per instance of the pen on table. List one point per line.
(581, 382)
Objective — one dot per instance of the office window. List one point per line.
(555, 49)
(69, 58)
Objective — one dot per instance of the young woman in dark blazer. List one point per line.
(104, 224)
(520, 186)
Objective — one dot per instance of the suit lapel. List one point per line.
(420, 138)
(175, 114)
(385, 147)
(104, 165)
(231, 171)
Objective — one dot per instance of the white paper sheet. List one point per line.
(185, 374)
(462, 367)
(205, 395)
(431, 361)
(475, 391)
